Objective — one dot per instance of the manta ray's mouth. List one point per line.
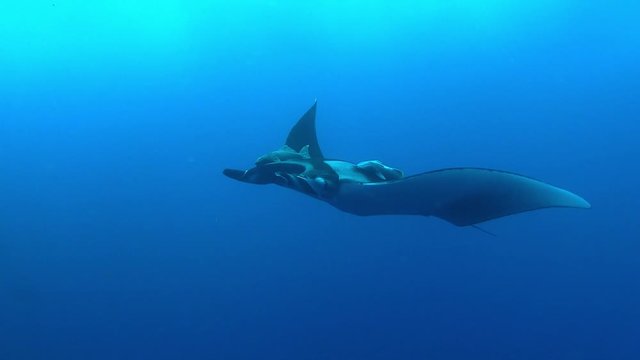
(235, 174)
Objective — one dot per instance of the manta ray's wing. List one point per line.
(303, 133)
(461, 196)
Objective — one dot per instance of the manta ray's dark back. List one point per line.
(303, 133)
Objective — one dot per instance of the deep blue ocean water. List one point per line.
(121, 239)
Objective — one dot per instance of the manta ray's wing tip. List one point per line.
(584, 204)
(572, 200)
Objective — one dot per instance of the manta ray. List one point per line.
(461, 196)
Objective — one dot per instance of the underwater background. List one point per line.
(121, 239)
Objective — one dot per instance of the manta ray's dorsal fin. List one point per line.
(303, 134)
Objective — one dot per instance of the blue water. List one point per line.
(121, 239)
